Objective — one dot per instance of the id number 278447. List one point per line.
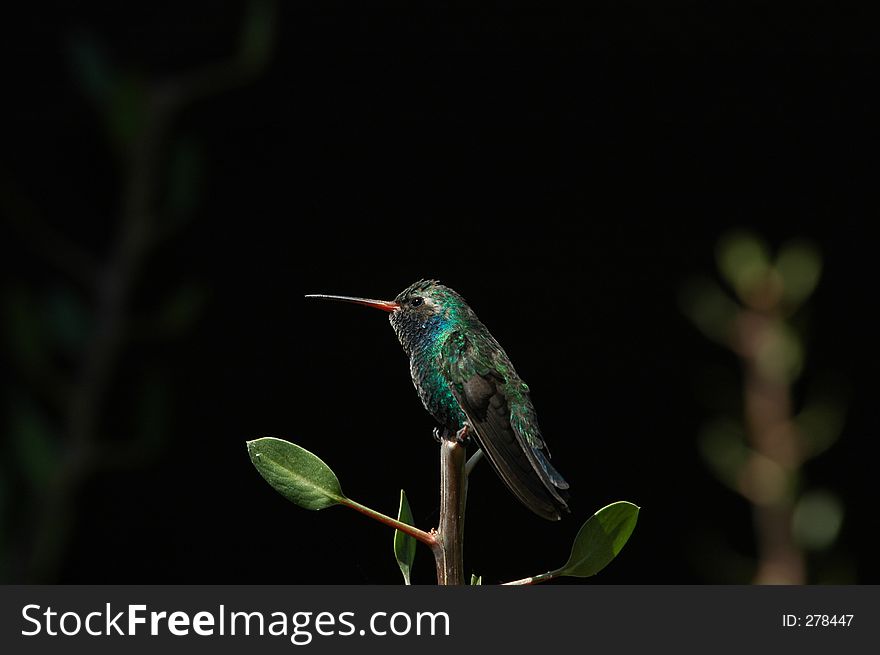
(817, 620)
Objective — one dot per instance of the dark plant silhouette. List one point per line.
(56, 434)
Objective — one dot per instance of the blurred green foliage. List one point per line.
(35, 444)
(761, 455)
(120, 97)
(26, 337)
(67, 335)
(820, 423)
(722, 444)
(818, 518)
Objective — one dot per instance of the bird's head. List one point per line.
(419, 313)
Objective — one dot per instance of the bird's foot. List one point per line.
(439, 435)
(461, 437)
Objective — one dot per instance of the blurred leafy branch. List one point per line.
(762, 455)
(307, 481)
(66, 341)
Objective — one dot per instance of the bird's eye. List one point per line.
(415, 302)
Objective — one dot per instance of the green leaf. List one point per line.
(708, 306)
(800, 265)
(780, 355)
(817, 519)
(744, 260)
(404, 544)
(476, 579)
(722, 443)
(821, 424)
(295, 473)
(600, 539)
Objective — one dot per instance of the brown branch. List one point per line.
(535, 579)
(447, 540)
(449, 553)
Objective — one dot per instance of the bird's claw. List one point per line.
(461, 437)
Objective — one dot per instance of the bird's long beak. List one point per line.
(384, 305)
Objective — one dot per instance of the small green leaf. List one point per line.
(710, 309)
(404, 544)
(600, 539)
(800, 265)
(821, 424)
(723, 446)
(744, 260)
(295, 473)
(476, 579)
(817, 519)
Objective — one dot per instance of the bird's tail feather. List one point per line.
(533, 480)
(517, 459)
(554, 476)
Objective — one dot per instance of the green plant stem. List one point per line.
(449, 553)
(425, 537)
(535, 579)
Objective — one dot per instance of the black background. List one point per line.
(566, 168)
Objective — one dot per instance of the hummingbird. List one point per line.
(466, 381)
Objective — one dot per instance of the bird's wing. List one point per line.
(515, 453)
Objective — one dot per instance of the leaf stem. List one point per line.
(425, 537)
(543, 577)
(473, 461)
